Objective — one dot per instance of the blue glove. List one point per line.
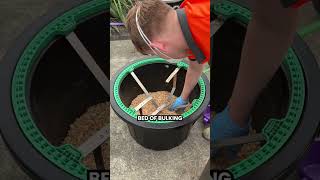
(178, 103)
(222, 126)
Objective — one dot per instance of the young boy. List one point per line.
(156, 28)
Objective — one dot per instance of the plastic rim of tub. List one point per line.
(196, 103)
(129, 115)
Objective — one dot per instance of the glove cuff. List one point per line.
(235, 125)
(185, 101)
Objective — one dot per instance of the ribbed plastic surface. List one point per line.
(66, 156)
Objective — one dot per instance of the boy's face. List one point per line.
(169, 49)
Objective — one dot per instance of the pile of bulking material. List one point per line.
(160, 98)
(94, 119)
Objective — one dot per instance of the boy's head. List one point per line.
(154, 17)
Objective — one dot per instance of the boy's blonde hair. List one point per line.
(151, 17)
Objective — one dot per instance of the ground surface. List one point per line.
(15, 15)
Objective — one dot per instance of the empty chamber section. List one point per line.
(62, 87)
(227, 46)
(153, 77)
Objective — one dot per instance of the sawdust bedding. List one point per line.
(160, 97)
(245, 151)
(95, 118)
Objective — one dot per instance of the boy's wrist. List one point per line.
(184, 97)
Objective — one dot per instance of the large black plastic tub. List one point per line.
(153, 73)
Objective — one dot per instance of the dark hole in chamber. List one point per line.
(62, 87)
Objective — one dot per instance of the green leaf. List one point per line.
(120, 8)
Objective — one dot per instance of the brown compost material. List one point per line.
(160, 97)
(245, 151)
(95, 118)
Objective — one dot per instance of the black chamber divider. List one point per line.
(62, 87)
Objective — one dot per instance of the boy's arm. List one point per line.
(192, 77)
(268, 38)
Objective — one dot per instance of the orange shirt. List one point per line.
(198, 19)
(294, 4)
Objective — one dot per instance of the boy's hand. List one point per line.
(222, 127)
(179, 102)
(192, 77)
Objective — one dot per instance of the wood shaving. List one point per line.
(86, 125)
(221, 162)
(160, 97)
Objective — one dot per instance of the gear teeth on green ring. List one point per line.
(65, 157)
(132, 112)
(182, 64)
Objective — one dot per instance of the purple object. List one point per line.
(310, 165)
(207, 115)
(116, 24)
